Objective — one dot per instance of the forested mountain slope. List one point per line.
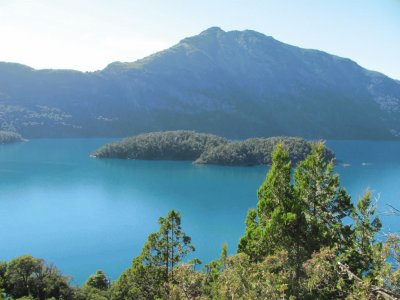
(237, 84)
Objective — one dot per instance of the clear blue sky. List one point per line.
(88, 34)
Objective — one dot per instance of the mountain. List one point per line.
(237, 84)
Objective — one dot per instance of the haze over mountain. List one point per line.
(237, 84)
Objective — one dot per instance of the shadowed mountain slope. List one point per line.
(237, 84)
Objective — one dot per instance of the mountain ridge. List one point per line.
(237, 84)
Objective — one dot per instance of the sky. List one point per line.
(87, 35)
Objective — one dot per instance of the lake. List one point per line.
(84, 214)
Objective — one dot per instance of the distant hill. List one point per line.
(202, 148)
(236, 84)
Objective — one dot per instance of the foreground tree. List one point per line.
(243, 279)
(189, 283)
(27, 276)
(169, 246)
(300, 217)
(152, 273)
(3, 270)
(268, 229)
(364, 244)
(98, 281)
(97, 287)
(324, 203)
(213, 270)
(22, 274)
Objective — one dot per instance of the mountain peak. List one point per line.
(212, 30)
(238, 84)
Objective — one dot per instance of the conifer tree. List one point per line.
(366, 225)
(168, 246)
(253, 241)
(324, 203)
(272, 227)
(153, 270)
(98, 281)
(299, 217)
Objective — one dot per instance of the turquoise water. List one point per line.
(84, 214)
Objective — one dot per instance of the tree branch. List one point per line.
(373, 289)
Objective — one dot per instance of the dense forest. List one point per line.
(9, 137)
(168, 145)
(256, 151)
(305, 239)
(202, 148)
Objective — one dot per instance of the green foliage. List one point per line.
(204, 148)
(364, 245)
(98, 281)
(140, 282)
(21, 275)
(90, 293)
(324, 203)
(27, 276)
(256, 151)
(168, 145)
(305, 216)
(153, 272)
(323, 278)
(213, 270)
(223, 256)
(299, 217)
(252, 243)
(3, 270)
(167, 247)
(268, 227)
(97, 287)
(188, 283)
(275, 202)
(388, 274)
(242, 279)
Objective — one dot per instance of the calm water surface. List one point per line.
(84, 214)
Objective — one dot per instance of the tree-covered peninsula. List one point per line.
(167, 145)
(305, 239)
(202, 148)
(257, 151)
(9, 137)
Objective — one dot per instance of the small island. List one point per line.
(202, 148)
(10, 137)
(167, 145)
